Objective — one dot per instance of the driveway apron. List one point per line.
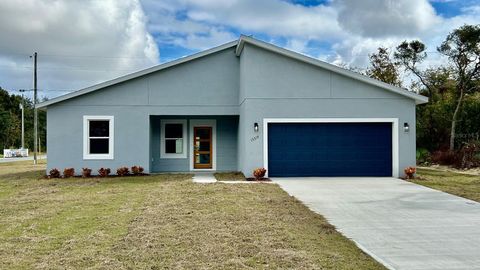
(401, 224)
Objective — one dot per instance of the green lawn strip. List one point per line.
(161, 221)
(70, 222)
(229, 176)
(16, 176)
(463, 185)
(220, 226)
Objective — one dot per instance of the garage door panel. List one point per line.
(330, 149)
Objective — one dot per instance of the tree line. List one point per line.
(11, 122)
(449, 124)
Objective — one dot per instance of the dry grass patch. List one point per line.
(159, 222)
(463, 185)
(229, 176)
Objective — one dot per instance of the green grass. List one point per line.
(230, 176)
(463, 185)
(161, 221)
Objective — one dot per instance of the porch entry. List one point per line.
(202, 147)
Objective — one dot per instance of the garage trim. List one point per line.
(394, 121)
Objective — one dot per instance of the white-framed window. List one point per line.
(97, 137)
(173, 138)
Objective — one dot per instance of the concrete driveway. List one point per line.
(402, 225)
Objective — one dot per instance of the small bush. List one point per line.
(54, 173)
(443, 157)
(259, 173)
(410, 172)
(122, 171)
(86, 172)
(423, 156)
(466, 157)
(68, 172)
(137, 170)
(104, 172)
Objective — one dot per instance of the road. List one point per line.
(4, 160)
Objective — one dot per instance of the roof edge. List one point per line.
(136, 74)
(419, 99)
(240, 44)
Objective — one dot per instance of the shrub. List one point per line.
(259, 173)
(104, 172)
(54, 173)
(122, 171)
(86, 172)
(410, 172)
(68, 172)
(443, 157)
(466, 157)
(137, 170)
(423, 156)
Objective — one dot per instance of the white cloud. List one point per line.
(390, 27)
(349, 30)
(78, 44)
(187, 19)
(354, 28)
(373, 18)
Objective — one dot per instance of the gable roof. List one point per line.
(240, 44)
(419, 99)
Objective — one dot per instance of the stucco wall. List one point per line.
(259, 84)
(65, 138)
(226, 151)
(205, 86)
(273, 86)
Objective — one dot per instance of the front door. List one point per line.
(202, 147)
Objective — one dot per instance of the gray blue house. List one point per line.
(236, 107)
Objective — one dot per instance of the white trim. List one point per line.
(86, 137)
(164, 155)
(204, 123)
(394, 121)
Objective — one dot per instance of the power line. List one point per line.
(43, 90)
(68, 68)
(73, 55)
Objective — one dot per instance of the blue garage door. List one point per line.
(329, 149)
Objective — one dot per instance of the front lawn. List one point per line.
(161, 221)
(463, 185)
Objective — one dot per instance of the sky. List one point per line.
(84, 42)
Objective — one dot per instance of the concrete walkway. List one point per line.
(3, 160)
(401, 224)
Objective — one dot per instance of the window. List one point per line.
(98, 137)
(173, 141)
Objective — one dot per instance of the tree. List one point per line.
(10, 121)
(383, 68)
(10, 129)
(462, 48)
(433, 118)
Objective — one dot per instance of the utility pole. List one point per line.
(35, 113)
(23, 125)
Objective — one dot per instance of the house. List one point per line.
(236, 107)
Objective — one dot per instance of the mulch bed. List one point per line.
(97, 176)
(259, 180)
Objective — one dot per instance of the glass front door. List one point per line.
(202, 147)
